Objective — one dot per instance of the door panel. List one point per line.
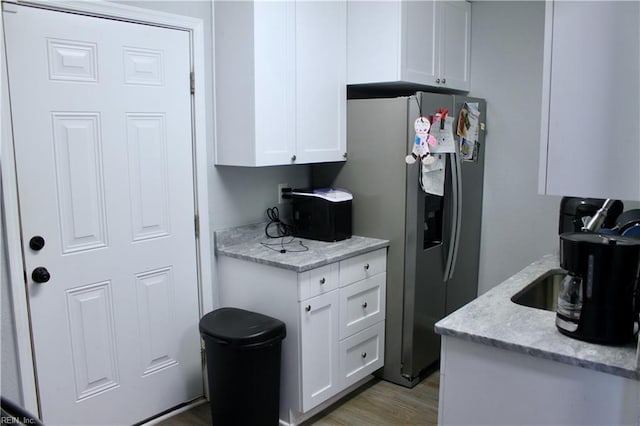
(101, 113)
(148, 175)
(90, 315)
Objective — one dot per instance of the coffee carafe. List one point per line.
(599, 298)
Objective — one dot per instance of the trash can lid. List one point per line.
(242, 328)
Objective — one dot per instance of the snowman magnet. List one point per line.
(422, 142)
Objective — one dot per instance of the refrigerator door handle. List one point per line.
(458, 215)
(454, 216)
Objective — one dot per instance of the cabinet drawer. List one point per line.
(317, 281)
(363, 266)
(362, 354)
(362, 304)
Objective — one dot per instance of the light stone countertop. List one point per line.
(493, 319)
(246, 242)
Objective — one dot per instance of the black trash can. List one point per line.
(243, 362)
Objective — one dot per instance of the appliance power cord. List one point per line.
(283, 230)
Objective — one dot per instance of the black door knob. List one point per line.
(36, 243)
(40, 275)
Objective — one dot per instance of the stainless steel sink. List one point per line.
(543, 292)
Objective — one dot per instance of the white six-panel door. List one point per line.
(101, 115)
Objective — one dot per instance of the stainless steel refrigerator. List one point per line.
(432, 266)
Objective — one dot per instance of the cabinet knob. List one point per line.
(444, 80)
(366, 267)
(364, 305)
(344, 155)
(438, 80)
(293, 158)
(322, 280)
(363, 355)
(308, 308)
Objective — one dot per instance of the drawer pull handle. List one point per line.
(322, 280)
(363, 355)
(366, 267)
(364, 305)
(308, 308)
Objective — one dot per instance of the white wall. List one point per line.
(518, 225)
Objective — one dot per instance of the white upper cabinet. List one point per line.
(416, 42)
(280, 82)
(590, 133)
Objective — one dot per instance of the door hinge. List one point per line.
(192, 82)
(196, 223)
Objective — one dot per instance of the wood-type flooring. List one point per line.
(378, 403)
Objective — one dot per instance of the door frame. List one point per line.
(11, 226)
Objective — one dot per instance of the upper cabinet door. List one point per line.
(590, 144)
(420, 42)
(455, 43)
(280, 82)
(423, 42)
(321, 74)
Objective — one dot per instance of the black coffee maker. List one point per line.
(599, 298)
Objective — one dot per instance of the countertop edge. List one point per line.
(306, 267)
(539, 353)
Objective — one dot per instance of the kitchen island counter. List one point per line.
(251, 243)
(493, 319)
(504, 363)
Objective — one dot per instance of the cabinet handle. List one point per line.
(363, 355)
(308, 308)
(364, 305)
(344, 155)
(444, 80)
(293, 158)
(322, 280)
(366, 267)
(437, 80)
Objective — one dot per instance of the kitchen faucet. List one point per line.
(596, 221)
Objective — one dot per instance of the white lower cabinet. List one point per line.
(334, 315)
(319, 348)
(485, 385)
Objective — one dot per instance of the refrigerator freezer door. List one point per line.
(425, 290)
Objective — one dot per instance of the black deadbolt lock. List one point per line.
(40, 275)
(36, 243)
